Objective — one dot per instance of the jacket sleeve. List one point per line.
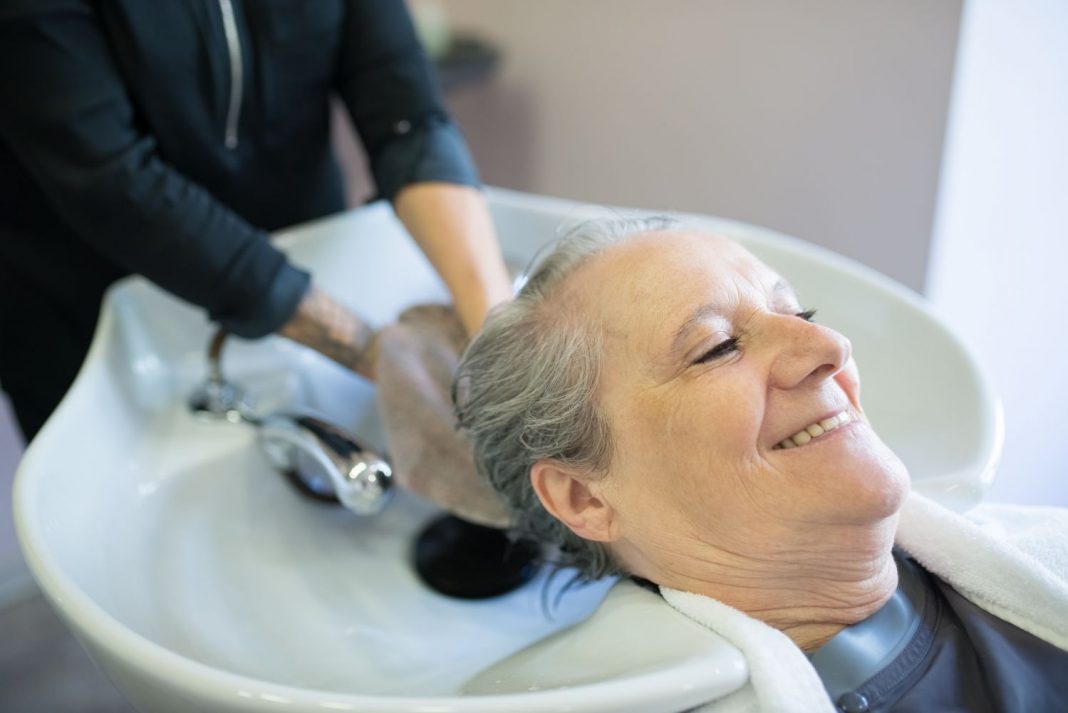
(391, 94)
(69, 120)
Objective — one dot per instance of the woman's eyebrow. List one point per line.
(711, 309)
(696, 317)
(784, 287)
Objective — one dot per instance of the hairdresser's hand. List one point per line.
(325, 325)
(416, 361)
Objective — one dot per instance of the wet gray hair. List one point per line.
(526, 390)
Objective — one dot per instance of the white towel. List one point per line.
(1010, 560)
(780, 676)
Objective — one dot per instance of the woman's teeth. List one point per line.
(814, 431)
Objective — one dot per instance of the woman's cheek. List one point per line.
(739, 407)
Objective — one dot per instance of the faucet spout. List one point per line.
(321, 457)
(321, 453)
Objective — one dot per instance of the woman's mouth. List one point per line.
(814, 431)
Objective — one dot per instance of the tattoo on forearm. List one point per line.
(329, 328)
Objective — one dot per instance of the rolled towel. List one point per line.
(416, 360)
(1011, 560)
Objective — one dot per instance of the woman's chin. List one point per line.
(883, 484)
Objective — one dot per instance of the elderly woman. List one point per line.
(657, 402)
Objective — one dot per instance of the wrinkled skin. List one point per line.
(708, 363)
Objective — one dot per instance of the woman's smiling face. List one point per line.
(710, 364)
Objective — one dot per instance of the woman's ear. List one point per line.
(567, 494)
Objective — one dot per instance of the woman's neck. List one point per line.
(810, 589)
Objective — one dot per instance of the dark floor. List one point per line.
(44, 669)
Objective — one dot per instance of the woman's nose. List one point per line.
(807, 354)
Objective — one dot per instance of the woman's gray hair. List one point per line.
(526, 389)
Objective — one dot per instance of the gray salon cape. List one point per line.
(950, 655)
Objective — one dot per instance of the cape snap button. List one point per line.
(852, 702)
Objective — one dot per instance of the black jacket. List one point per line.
(164, 137)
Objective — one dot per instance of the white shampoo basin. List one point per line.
(200, 581)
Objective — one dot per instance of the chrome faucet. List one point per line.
(218, 398)
(323, 459)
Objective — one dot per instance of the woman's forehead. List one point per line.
(657, 273)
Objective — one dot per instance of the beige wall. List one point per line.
(823, 119)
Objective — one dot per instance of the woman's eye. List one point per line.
(721, 349)
(807, 315)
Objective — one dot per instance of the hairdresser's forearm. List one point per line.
(325, 325)
(452, 225)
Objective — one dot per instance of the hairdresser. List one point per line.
(168, 138)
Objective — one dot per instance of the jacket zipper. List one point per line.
(233, 45)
